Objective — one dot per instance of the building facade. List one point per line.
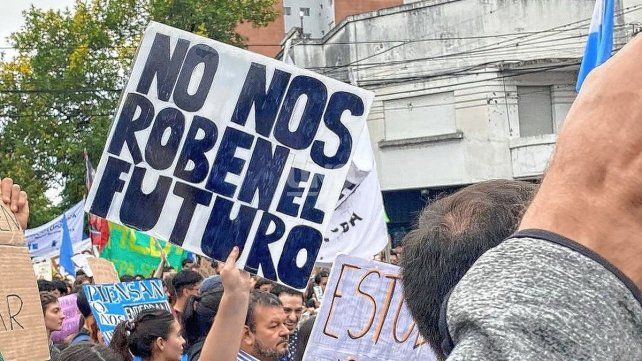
(315, 17)
(466, 90)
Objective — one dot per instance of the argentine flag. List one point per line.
(599, 44)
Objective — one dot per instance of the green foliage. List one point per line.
(59, 93)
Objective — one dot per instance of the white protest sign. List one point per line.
(364, 316)
(213, 146)
(44, 241)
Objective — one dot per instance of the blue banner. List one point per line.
(112, 303)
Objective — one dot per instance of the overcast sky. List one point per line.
(11, 14)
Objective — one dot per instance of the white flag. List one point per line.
(358, 226)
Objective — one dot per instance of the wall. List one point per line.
(420, 57)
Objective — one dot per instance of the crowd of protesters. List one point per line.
(501, 270)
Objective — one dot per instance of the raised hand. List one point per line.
(16, 199)
(234, 279)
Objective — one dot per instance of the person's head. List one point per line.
(60, 288)
(187, 283)
(263, 284)
(451, 234)
(199, 315)
(217, 266)
(321, 279)
(127, 278)
(86, 351)
(265, 335)
(212, 283)
(52, 312)
(89, 321)
(293, 305)
(168, 281)
(305, 330)
(152, 335)
(46, 286)
(187, 264)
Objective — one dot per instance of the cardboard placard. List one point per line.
(117, 302)
(71, 322)
(103, 270)
(363, 316)
(10, 232)
(43, 270)
(214, 146)
(22, 331)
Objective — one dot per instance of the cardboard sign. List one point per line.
(22, 329)
(10, 232)
(103, 270)
(71, 324)
(117, 302)
(364, 317)
(43, 270)
(213, 146)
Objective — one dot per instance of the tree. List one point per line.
(59, 93)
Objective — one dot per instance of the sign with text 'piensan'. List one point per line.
(214, 146)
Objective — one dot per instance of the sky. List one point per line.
(11, 15)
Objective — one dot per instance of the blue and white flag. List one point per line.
(66, 249)
(599, 44)
(44, 241)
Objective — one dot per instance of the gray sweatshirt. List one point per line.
(540, 296)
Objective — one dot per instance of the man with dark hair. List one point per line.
(265, 336)
(60, 288)
(263, 284)
(451, 234)
(292, 301)
(187, 264)
(186, 284)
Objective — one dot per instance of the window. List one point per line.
(535, 110)
(304, 11)
(287, 10)
(421, 116)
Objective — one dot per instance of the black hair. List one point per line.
(45, 286)
(198, 315)
(138, 336)
(305, 330)
(260, 282)
(83, 303)
(61, 286)
(279, 290)
(127, 278)
(80, 272)
(185, 261)
(259, 298)
(184, 279)
(86, 351)
(320, 275)
(451, 234)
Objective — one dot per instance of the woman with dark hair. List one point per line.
(154, 335)
(197, 320)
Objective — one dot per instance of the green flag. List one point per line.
(134, 252)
